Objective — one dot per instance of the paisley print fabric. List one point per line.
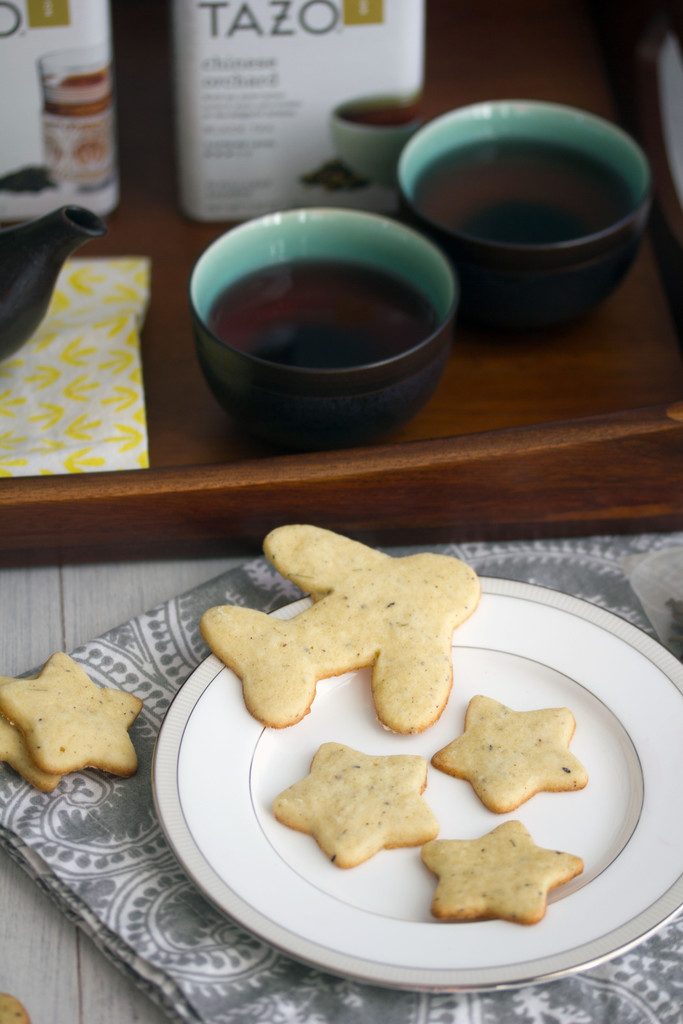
(95, 844)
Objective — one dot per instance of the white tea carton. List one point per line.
(57, 135)
(284, 103)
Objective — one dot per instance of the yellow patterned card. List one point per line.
(72, 398)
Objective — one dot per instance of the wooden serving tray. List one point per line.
(576, 430)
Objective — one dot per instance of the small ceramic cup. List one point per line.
(524, 283)
(306, 408)
(369, 133)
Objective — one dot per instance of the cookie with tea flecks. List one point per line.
(509, 756)
(68, 723)
(12, 1011)
(395, 615)
(14, 753)
(355, 804)
(502, 874)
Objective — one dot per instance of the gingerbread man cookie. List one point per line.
(396, 615)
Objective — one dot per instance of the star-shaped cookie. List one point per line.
(355, 804)
(502, 874)
(393, 614)
(68, 723)
(13, 751)
(508, 756)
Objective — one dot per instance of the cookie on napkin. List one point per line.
(68, 723)
(396, 615)
(355, 804)
(502, 874)
(13, 751)
(509, 756)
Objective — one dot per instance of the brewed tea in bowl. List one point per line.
(322, 328)
(541, 206)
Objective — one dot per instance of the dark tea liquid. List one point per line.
(321, 314)
(381, 115)
(520, 192)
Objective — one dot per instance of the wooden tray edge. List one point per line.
(612, 473)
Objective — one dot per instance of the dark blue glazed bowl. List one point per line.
(301, 408)
(513, 286)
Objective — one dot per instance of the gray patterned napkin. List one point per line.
(95, 844)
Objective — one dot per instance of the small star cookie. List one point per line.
(13, 751)
(509, 756)
(355, 804)
(502, 874)
(12, 1011)
(68, 723)
(396, 615)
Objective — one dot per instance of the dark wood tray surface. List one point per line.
(573, 430)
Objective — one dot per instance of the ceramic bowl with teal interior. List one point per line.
(300, 407)
(540, 206)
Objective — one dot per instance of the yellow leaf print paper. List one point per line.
(72, 399)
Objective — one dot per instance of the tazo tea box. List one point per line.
(284, 103)
(57, 111)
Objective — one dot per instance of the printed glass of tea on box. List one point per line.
(322, 328)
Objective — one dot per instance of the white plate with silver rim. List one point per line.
(216, 771)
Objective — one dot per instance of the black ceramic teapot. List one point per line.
(31, 256)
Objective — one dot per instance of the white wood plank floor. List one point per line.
(47, 963)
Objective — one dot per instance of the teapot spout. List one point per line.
(74, 225)
(31, 256)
